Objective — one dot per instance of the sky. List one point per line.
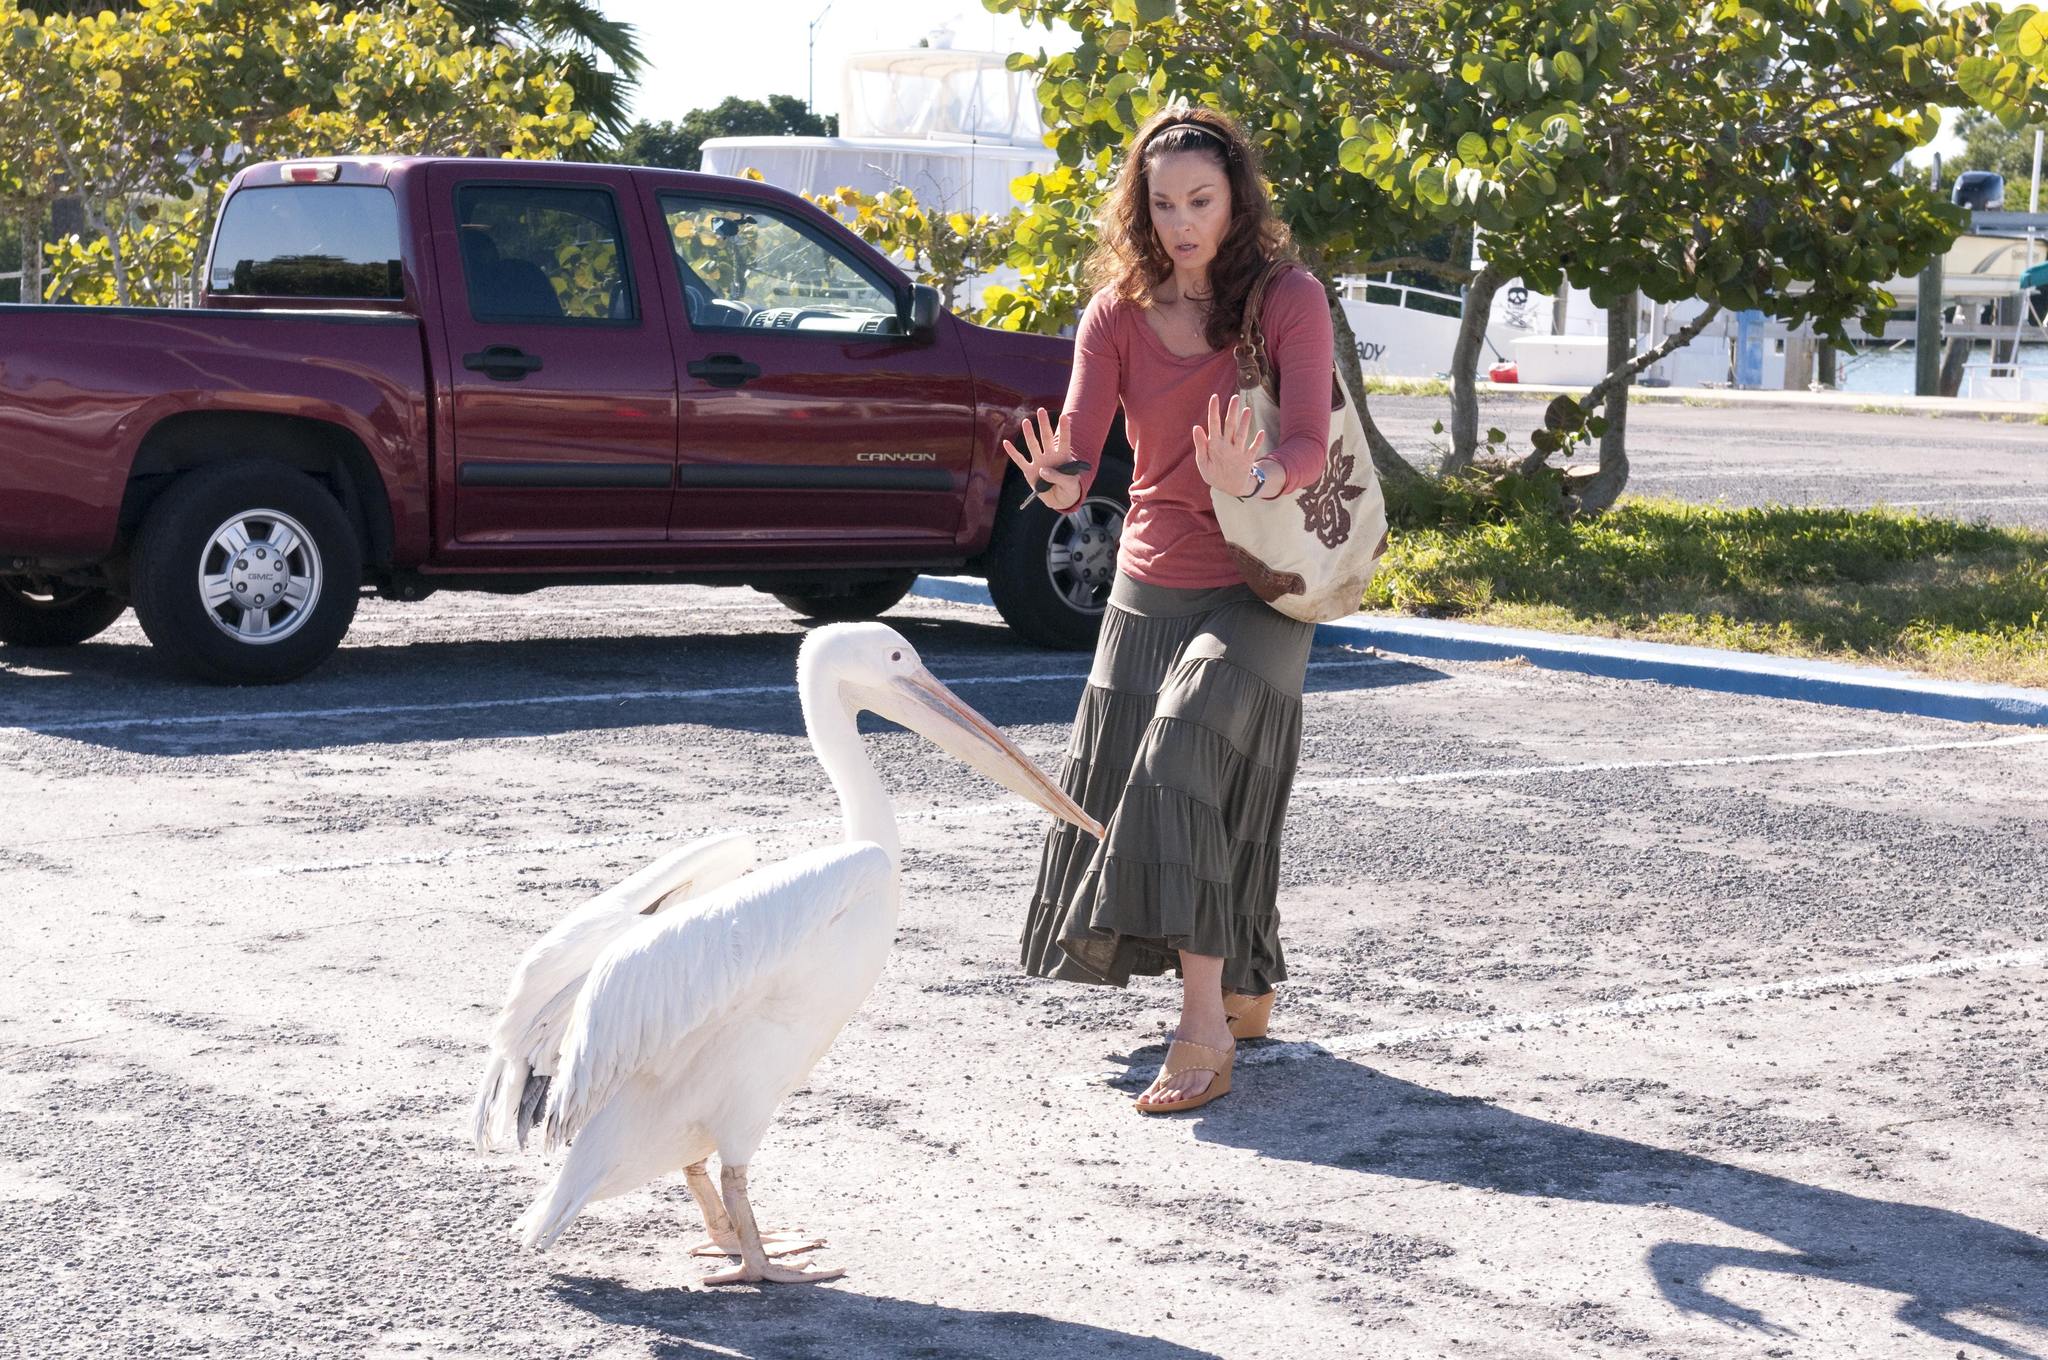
(699, 53)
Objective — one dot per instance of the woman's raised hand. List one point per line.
(1226, 450)
(1051, 471)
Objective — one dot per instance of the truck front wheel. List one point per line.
(1050, 573)
(246, 573)
(39, 613)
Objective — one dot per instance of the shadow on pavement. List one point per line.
(834, 1322)
(1333, 1112)
(119, 696)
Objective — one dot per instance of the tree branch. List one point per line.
(1677, 340)
(1598, 394)
(1366, 52)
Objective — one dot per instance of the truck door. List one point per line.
(805, 415)
(564, 392)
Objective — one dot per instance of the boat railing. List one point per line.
(1363, 287)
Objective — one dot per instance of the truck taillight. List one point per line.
(311, 174)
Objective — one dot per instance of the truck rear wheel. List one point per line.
(246, 573)
(1050, 573)
(39, 613)
(839, 606)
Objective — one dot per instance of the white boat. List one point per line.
(954, 127)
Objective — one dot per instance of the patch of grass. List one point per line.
(1879, 587)
(1376, 386)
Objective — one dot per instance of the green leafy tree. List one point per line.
(599, 57)
(678, 145)
(143, 115)
(1736, 152)
(944, 250)
(30, 170)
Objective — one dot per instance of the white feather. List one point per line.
(530, 1024)
(761, 954)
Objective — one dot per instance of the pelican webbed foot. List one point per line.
(773, 1244)
(754, 1267)
(722, 1239)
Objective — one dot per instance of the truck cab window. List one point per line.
(309, 241)
(538, 254)
(747, 267)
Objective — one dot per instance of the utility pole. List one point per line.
(1927, 314)
(811, 60)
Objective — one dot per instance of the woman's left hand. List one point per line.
(1226, 450)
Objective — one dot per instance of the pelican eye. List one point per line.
(895, 656)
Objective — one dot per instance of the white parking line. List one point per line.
(973, 811)
(1687, 763)
(1522, 1022)
(413, 615)
(623, 696)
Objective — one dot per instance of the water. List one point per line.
(1890, 372)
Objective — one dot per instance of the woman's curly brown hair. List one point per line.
(1129, 259)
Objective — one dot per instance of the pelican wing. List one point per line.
(529, 1027)
(660, 986)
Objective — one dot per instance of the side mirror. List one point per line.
(920, 315)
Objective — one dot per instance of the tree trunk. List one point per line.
(32, 254)
(96, 217)
(1830, 373)
(1600, 494)
(1397, 475)
(1956, 356)
(197, 282)
(1465, 370)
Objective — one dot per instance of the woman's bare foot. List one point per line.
(1211, 1030)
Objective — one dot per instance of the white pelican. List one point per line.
(666, 1018)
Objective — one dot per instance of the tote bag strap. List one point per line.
(1253, 367)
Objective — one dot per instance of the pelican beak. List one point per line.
(927, 707)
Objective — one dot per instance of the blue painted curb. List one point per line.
(1775, 677)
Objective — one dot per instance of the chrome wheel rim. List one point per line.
(259, 576)
(1080, 554)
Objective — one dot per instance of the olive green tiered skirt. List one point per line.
(1184, 749)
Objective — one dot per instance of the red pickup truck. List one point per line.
(409, 375)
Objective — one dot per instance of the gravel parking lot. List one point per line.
(1625, 1020)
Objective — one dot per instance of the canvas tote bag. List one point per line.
(1311, 552)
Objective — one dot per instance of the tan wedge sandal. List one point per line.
(1182, 1056)
(1249, 1015)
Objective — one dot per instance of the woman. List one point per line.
(1188, 734)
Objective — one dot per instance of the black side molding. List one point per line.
(648, 476)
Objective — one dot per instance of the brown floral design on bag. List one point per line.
(1322, 505)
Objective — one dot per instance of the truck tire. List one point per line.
(840, 606)
(1050, 573)
(36, 613)
(246, 573)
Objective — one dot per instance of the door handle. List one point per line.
(722, 370)
(505, 363)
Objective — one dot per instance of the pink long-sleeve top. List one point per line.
(1170, 537)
